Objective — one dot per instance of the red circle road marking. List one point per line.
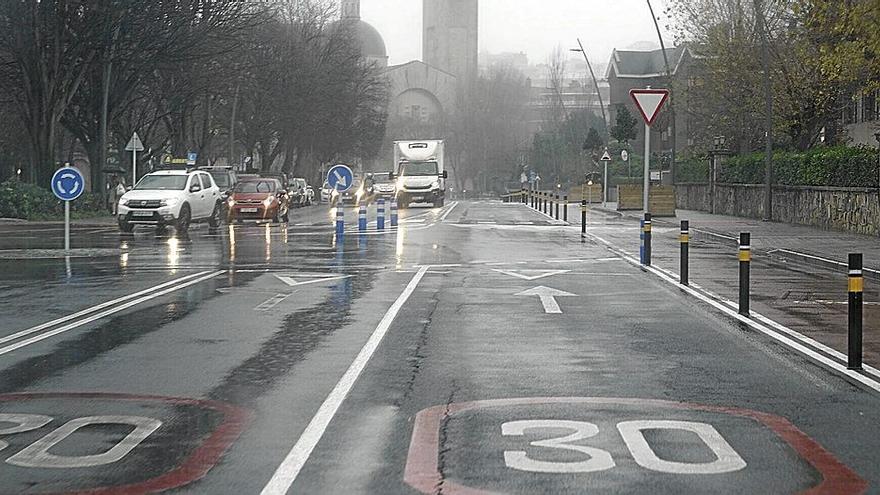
(194, 467)
(422, 472)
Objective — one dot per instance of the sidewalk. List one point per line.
(84, 222)
(803, 244)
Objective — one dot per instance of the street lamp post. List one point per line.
(595, 83)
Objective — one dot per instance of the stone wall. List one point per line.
(832, 208)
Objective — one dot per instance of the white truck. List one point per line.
(419, 167)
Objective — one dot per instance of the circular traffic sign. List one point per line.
(68, 183)
(624, 155)
(340, 178)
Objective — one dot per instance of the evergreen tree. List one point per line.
(624, 130)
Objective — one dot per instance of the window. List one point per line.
(162, 182)
(251, 187)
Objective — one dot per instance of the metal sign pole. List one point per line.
(134, 166)
(647, 178)
(67, 226)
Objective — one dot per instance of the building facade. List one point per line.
(629, 69)
(450, 37)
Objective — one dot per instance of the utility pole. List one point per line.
(768, 112)
(669, 87)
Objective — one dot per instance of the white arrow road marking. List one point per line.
(548, 297)
(289, 280)
(535, 274)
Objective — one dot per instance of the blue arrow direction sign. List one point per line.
(340, 178)
(68, 183)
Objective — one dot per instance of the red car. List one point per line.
(257, 198)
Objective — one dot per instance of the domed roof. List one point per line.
(371, 42)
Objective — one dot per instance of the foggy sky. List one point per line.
(535, 27)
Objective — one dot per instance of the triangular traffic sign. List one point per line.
(606, 157)
(649, 102)
(135, 144)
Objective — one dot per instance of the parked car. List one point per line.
(171, 197)
(259, 199)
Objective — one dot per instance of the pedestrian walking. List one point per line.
(117, 189)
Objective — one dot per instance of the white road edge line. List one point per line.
(733, 313)
(103, 314)
(290, 468)
(92, 309)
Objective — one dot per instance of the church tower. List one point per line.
(450, 37)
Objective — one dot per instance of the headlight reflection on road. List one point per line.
(231, 243)
(268, 242)
(173, 253)
(123, 261)
(401, 237)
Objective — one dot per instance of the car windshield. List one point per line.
(221, 178)
(253, 187)
(411, 169)
(162, 182)
(382, 177)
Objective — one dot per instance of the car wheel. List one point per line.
(126, 227)
(214, 221)
(184, 219)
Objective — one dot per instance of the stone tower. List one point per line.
(450, 37)
(351, 9)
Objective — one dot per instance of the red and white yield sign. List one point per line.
(649, 102)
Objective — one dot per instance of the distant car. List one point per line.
(259, 199)
(299, 190)
(383, 186)
(357, 194)
(226, 179)
(326, 193)
(171, 197)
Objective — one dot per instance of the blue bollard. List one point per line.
(642, 242)
(362, 218)
(380, 216)
(394, 217)
(340, 220)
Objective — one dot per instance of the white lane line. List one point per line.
(274, 301)
(733, 313)
(103, 314)
(449, 211)
(290, 468)
(99, 307)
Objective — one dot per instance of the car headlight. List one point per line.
(230, 201)
(268, 201)
(435, 185)
(124, 202)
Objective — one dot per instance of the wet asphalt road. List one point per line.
(428, 359)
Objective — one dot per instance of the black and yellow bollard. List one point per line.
(584, 218)
(856, 301)
(647, 231)
(565, 209)
(685, 240)
(745, 260)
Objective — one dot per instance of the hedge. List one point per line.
(29, 202)
(839, 166)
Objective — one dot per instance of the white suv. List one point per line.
(171, 197)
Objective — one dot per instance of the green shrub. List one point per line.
(692, 169)
(838, 166)
(29, 202)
